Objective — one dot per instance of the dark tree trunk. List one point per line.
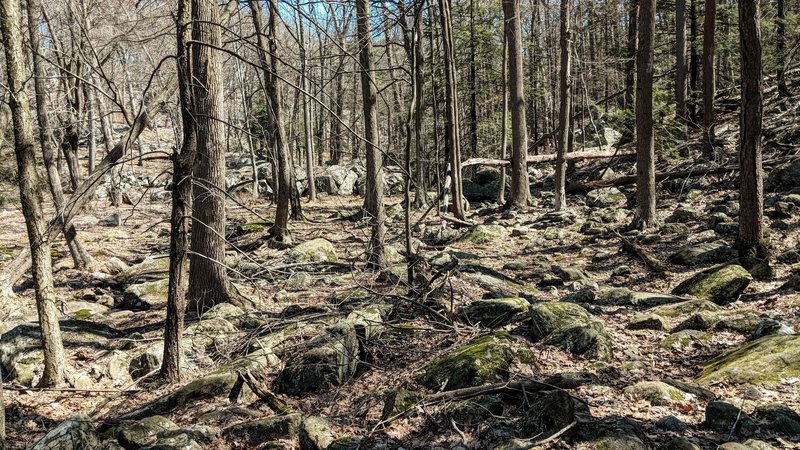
(780, 47)
(630, 66)
(680, 63)
(29, 187)
(694, 66)
(709, 81)
(750, 240)
(645, 216)
(473, 83)
(182, 164)
(374, 196)
(208, 277)
(564, 117)
(520, 187)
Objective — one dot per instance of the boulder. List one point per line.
(719, 284)
(784, 178)
(326, 184)
(704, 253)
(485, 359)
(672, 423)
(750, 444)
(617, 433)
(181, 441)
(475, 192)
(684, 308)
(627, 297)
(646, 322)
(683, 214)
(480, 234)
(474, 410)
(700, 321)
(145, 296)
(772, 327)
(348, 184)
(570, 327)
(725, 418)
(765, 362)
(685, 339)
(657, 393)
(76, 433)
(549, 413)
(144, 432)
(328, 360)
(779, 418)
(604, 197)
(680, 443)
(262, 430)
(315, 433)
(494, 312)
(314, 250)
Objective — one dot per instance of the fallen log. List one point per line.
(649, 260)
(586, 186)
(536, 159)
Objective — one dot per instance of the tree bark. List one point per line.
(208, 277)
(420, 193)
(53, 349)
(182, 164)
(645, 215)
(501, 188)
(680, 64)
(312, 189)
(80, 256)
(374, 196)
(694, 65)
(452, 122)
(709, 81)
(520, 187)
(750, 241)
(780, 48)
(565, 118)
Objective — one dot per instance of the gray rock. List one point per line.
(647, 322)
(182, 441)
(704, 253)
(326, 184)
(485, 359)
(145, 296)
(549, 413)
(772, 327)
(618, 433)
(143, 364)
(672, 423)
(144, 432)
(725, 418)
(779, 418)
(603, 197)
(314, 250)
(656, 392)
(348, 184)
(720, 284)
(494, 312)
(680, 444)
(76, 433)
(701, 321)
(111, 221)
(685, 339)
(683, 214)
(315, 434)
(262, 430)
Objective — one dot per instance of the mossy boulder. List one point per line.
(146, 295)
(550, 412)
(684, 308)
(76, 433)
(474, 410)
(315, 433)
(611, 433)
(481, 234)
(765, 362)
(704, 253)
(494, 312)
(685, 339)
(315, 250)
(570, 327)
(485, 359)
(701, 321)
(151, 268)
(657, 393)
(603, 197)
(719, 284)
(262, 430)
(750, 444)
(180, 441)
(328, 360)
(627, 297)
(144, 432)
(646, 322)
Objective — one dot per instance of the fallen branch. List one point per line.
(561, 381)
(270, 398)
(536, 159)
(650, 261)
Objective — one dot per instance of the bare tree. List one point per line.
(308, 133)
(374, 196)
(645, 216)
(520, 187)
(29, 187)
(780, 47)
(680, 63)
(208, 278)
(751, 190)
(565, 110)
(709, 80)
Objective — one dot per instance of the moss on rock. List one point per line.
(494, 312)
(719, 284)
(656, 392)
(315, 250)
(482, 360)
(765, 362)
(480, 234)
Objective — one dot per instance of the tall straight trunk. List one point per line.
(53, 349)
(2, 419)
(473, 83)
(564, 116)
(374, 196)
(694, 65)
(709, 81)
(520, 187)
(91, 130)
(751, 190)
(680, 62)
(501, 189)
(105, 124)
(208, 277)
(645, 216)
(182, 164)
(80, 256)
(452, 121)
(780, 47)
(312, 189)
(420, 193)
(630, 66)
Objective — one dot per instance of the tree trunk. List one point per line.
(501, 189)
(564, 116)
(630, 67)
(645, 216)
(709, 89)
(680, 63)
(208, 277)
(452, 122)
(80, 257)
(312, 189)
(374, 196)
(53, 349)
(520, 187)
(473, 84)
(780, 47)
(420, 193)
(694, 65)
(751, 190)
(182, 164)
